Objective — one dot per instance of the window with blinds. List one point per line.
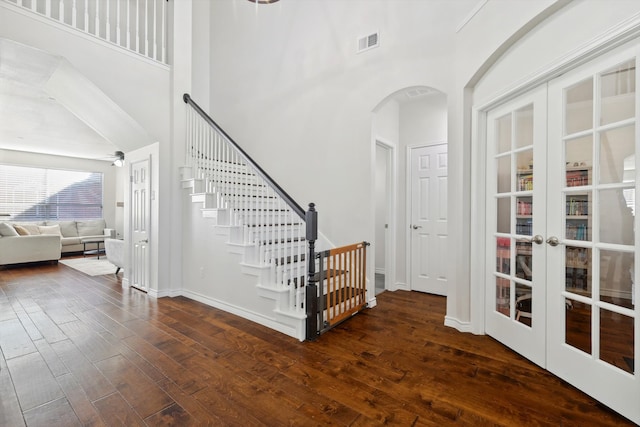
(36, 194)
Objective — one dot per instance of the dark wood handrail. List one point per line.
(286, 197)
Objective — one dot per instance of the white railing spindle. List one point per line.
(155, 32)
(61, 11)
(146, 27)
(163, 35)
(86, 16)
(118, 35)
(47, 8)
(108, 20)
(74, 14)
(97, 19)
(137, 49)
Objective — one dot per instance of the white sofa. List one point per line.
(45, 241)
(15, 248)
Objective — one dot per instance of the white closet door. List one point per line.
(516, 205)
(593, 316)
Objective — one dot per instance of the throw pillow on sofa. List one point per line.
(32, 229)
(22, 231)
(50, 229)
(67, 228)
(7, 230)
(94, 227)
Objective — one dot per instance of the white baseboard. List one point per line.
(452, 322)
(401, 287)
(289, 330)
(372, 302)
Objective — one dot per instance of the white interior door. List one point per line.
(140, 221)
(429, 239)
(515, 264)
(561, 228)
(593, 338)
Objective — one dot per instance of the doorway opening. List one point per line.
(415, 116)
(384, 192)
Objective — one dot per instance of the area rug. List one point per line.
(90, 266)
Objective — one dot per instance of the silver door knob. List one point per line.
(537, 239)
(553, 241)
(415, 227)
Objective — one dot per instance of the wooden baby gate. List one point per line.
(342, 286)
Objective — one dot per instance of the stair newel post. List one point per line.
(311, 303)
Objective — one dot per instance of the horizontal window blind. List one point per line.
(36, 194)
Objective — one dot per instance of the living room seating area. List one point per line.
(22, 242)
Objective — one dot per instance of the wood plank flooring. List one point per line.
(80, 350)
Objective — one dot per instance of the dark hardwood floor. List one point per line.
(79, 350)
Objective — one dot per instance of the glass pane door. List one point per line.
(516, 138)
(593, 316)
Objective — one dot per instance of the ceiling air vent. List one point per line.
(368, 42)
(421, 91)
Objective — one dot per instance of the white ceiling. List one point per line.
(36, 108)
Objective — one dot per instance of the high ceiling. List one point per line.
(37, 112)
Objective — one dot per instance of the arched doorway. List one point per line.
(409, 128)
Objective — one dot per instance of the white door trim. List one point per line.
(410, 148)
(150, 153)
(390, 247)
(616, 36)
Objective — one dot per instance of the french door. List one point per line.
(561, 229)
(515, 289)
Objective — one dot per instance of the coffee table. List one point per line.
(96, 242)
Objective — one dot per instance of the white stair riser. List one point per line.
(218, 216)
(208, 200)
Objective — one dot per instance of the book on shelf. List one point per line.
(576, 178)
(577, 207)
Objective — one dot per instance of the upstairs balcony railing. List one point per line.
(139, 26)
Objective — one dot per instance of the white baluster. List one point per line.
(74, 15)
(86, 15)
(163, 35)
(155, 31)
(128, 24)
(61, 11)
(118, 22)
(138, 26)
(47, 8)
(97, 19)
(34, 3)
(20, 3)
(146, 27)
(108, 29)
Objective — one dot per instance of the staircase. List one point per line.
(263, 225)
(309, 292)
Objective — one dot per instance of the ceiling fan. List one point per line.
(117, 158)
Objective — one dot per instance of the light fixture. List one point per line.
(263, 1)
(119, 161)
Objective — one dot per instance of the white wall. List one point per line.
(423, 121)
(20, 158)
(551, 41)
(478, 44)
(292, 90)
